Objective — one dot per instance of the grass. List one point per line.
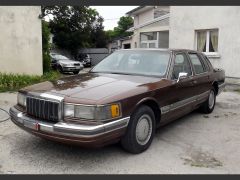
(237, 90)
(14, 82)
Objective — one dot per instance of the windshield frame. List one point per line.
(139, 74)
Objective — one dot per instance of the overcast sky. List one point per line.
(111, 14)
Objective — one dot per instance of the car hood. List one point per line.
(67, 61)
(98, 88)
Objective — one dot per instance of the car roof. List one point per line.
(160, 49)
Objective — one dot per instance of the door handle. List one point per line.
(193, 82)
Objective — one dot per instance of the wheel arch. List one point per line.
(215, 86)
(153, 104)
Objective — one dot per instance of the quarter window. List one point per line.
(197, 64)
(181, 64)
(207, 40)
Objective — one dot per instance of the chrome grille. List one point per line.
(43, 109)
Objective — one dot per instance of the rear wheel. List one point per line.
(209, 104)
(141, 130)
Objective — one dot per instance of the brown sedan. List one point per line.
(123, 98)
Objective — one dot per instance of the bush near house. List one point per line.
(14, 82)
(46, 47)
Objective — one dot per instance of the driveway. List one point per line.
(196, 143)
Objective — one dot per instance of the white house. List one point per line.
(20, 40)
(212, 30)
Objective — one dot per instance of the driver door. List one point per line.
(180, 95)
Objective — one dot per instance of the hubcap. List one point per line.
(211, 100)
(144, 129)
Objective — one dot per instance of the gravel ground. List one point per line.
(196, 143)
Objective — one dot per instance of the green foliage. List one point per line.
(14, 82)
(124, 24)
(75, 27)
(45, 47)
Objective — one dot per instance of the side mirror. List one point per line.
(181, 75)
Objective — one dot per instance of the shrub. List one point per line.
(14, 82)
(45, 47)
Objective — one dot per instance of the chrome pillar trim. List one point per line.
(182, 103)
(67, 129)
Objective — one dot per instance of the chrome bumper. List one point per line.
(221, 87)
(66, 129)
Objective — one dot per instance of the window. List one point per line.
(154, 39)
(181, 64)
(160, 11)
(207, 40)
(197, 64)
(147, 36)
(148, 40)
(163, 39)
(138, 62)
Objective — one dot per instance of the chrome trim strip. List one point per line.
(182, 103)
(67, 129)
(51, 98)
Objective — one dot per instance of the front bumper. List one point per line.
(221, 87)
(71, 69)
(86, 135)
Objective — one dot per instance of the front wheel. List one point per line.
(141, 130)
(209, 104)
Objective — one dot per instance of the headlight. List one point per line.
(103, 112)
(63, 65)
(21, 99)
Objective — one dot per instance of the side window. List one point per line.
(197, 63)
(206, 61)
(181, 64)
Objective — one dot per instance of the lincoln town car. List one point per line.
(124, 98)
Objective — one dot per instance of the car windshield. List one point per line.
(138, 62)
(58, 56)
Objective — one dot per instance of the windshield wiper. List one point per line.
(107, 72)
(120, 73)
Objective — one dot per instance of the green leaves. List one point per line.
(75, 27)
(14, 82)
(124, 24)
(45, 46)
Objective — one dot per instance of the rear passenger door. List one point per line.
(201, 77)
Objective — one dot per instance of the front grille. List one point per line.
(43, 109)
(76, 64)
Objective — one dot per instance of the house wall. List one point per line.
(157, 26)
(143, 17)
(185, 20)
(20, 40)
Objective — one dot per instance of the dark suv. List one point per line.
(85, 59)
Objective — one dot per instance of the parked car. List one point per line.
(64, 64)
(85, 59)
(123, 98)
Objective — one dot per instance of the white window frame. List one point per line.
(149, 41)
(207, 53)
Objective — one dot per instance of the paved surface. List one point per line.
(196, 143)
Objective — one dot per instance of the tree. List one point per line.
(124, 23)
(45, 46)
(76, 27)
